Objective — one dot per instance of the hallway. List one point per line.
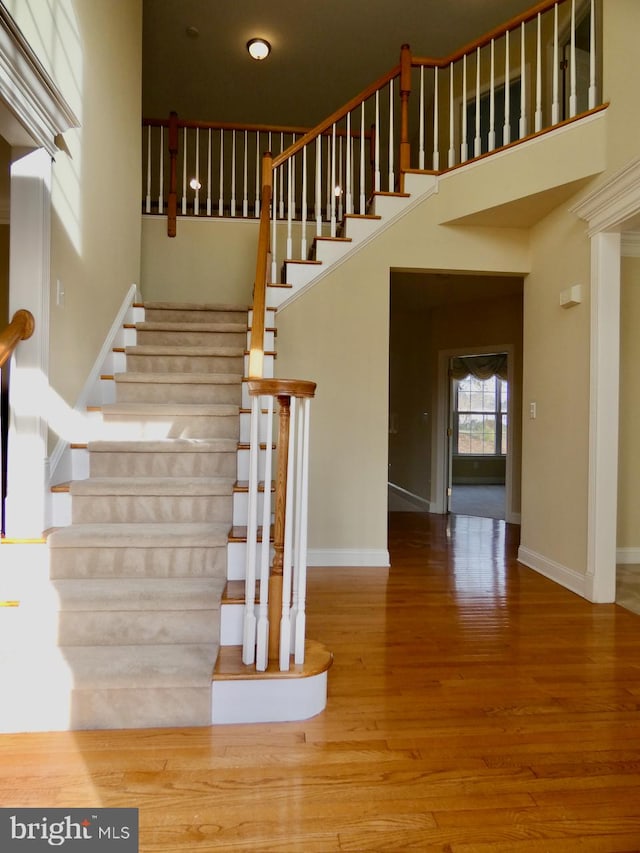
(474, 706)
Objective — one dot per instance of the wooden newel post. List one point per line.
(275, 578)
(172, 202)
(405, 91)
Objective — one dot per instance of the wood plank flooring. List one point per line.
(473, 706)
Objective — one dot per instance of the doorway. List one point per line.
(478, 435)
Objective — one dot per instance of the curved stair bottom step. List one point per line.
(239, 694)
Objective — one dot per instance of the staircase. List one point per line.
(141, 569)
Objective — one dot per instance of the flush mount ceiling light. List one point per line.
(258, 48)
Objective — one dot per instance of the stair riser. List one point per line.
(166, 392)
(137, 509)
(163, 464)
(187, 338)
(87, 628)
(138, 363)
(169, 426)
(135, 562)
(137, 708)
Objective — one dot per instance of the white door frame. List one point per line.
(439, 451)
(607, 210)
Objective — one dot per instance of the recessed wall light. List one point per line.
(192, 32)
(258, 48)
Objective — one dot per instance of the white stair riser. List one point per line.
(237, 559)
(241, 507)
(360, 229)
(231, 624)
(297, 275)
(328, 252)
(388, 205)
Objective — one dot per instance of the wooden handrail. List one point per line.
(340, 113)
(19, 329)
(483, 41)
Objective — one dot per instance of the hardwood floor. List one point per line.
(473, 706)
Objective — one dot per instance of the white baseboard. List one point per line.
(627, 556)
(568, 578)
(373, 557)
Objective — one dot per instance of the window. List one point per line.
(480, 416)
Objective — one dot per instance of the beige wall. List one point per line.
(208, 261)
(93, 51)
(629, 450)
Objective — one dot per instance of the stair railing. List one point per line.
(274, 627)
(19, 329)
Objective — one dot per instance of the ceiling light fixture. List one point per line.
(258, 48)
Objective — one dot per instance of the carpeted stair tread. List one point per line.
(141, 666)
(174, 445)
(153, 486)
(143, 535)
(186, 349)
(169, 378)
(135, 594)
(178, 326)
(158, 409)
(193, 306)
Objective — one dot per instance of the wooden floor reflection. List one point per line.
(474, 707)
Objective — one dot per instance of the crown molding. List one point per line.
(617, 200)
(29, 92)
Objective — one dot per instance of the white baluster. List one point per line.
(555, 105)
(573, 97)
(221, 196)
(348, 194)
(329, 184)
(287, 557)
(274, 229)
(293, 183)
(303, 232)
(452, 150)
(506, 129)
(233, 173)
(333, 181)
(340, 185)
(262, 650)
(184, 171)
(281, 206)
(352, 148)
(318, 196)
(421, 122)
(477, 140)
(538, 116)
(522, 127)
(256, 206)
(196, 184)
(301, 539)
(209, 173)
(161, 186)
(436, 144)
(392, 180)
(249, 630)
(147, 206)
(376, 183)
(289, 253)
(491, 142)
(464, 145)
(245, 171)
(593, 94)
(363, 201)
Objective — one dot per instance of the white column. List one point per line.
(603, 416)
(29, 264)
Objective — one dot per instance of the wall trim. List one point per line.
(566, 577)
(421, 504)
(628, 556)
(348, 557)
(29, 91)
(610, 205)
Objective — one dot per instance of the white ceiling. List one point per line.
(323, 52)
